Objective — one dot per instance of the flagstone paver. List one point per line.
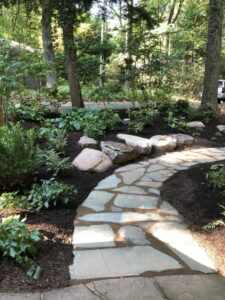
(145, 233)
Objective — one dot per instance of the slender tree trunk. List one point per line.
(69, 49)
(103, 33)
(47, 10)
(213, 52)
(2, 113)
(128, 44)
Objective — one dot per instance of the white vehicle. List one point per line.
(221, 91)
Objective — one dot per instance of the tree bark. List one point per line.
(2, 113)
(69, 49)
(128, 44)
(213, 53)
(47, 10)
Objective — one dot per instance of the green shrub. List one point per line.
(13, 200)
(141, 118)
(49, 192)
(19, 156)
(18, 243)
(54, 162)
(176, 123)
(56, 138)
(216, 177)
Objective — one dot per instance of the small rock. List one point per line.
(195, 124)
(141, 144)
(92, 160)
(221, 128)
(183, 139)
(119, 152)
(163, 143)
(86, 142)
(125, 121)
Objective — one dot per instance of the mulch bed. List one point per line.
(54, 252)
(199, 205)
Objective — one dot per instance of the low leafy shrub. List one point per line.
(176, 123)
(19, 156)
(31, 111)
(141, 118)
(49, 192)
(56, 138)
(216, 177)
(13, 200)
(54, 162)
(19, 244)
(208, 113)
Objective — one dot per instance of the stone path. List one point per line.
(125, 229)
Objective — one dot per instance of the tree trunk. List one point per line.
(2, 113)
(103, 33)
(49, 54)
(69, 49)
(213, 52)
(128, 44)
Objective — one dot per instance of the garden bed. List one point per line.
(54, 251)
(199, 205)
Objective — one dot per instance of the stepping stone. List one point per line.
(183, 139)
(143, 145)
(136, 201)
(131, 190)
(93, 236)
(192, 287)
(160, 176)
(97, 200)
(180, 241)
(120, 262)
(116, 209)
(118, 152)
(92, 160)
(120, 217)
(154, 191)
(132, 235)
(168, 209)
(130, 167)
(123, 288)
(163, 143)
(195, 124)
(108, 183)
(155, 167)
(86, 142)
(149, 183)
(131, 177)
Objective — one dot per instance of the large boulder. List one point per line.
(92, 160)
(119, 152)
(142, 145)
(221, 128)
(163, 143)
(86, 142)
(195, 124)
(183, 139)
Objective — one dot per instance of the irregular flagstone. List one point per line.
(165, 207)
(120, 217)
(132, 235)
(180, 240)
(124, 288)
(144, 146)
(131, 177)
(129, 168)
(119, 262)
(160, 175)
(108, 183)
(97, 200)
(131, 190)
(155, 167)
(154, 191)
(136, 201)
(116, 209)
(152, 184)
(93, 236)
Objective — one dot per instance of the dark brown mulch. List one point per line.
(54, 252)
(199, 205)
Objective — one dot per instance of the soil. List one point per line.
(54, 251)
(199, 205)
